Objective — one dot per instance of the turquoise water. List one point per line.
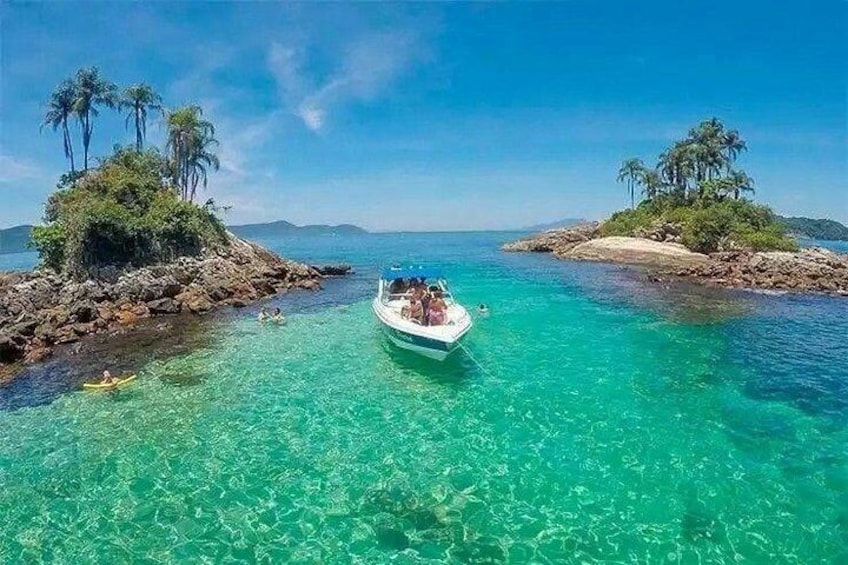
(606, 421)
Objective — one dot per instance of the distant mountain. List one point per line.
(816, 229)
(14, 240)
(282, 227)
(567, 222)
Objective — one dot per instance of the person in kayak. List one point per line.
(108, 379)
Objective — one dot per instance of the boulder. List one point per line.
(636, 251)
(163, 306)
(558, 240)
(195, 301)
(333, 270)
(12, 347)
(84, 312)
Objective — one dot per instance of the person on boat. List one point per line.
(278, 318)
(263, 315)
(398, 286)
(415, 313)
(108, 379)
(426, 298)
(437, 315)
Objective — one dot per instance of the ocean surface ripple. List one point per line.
(614, 422)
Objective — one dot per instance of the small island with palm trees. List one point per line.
(694, 220)
(125, 239)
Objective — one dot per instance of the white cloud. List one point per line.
(368, 67)
(15, 169)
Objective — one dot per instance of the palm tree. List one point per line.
(190, 143)
(707, 139)
(652, 182)
(61, 107)
(92, 91)
(732, 145)
(138, 99)
(677, 167)
(631, 171)
(740, 183)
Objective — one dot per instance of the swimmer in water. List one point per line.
(483, 310)
(277, 318)
(263, 315)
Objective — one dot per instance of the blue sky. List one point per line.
(443, 116)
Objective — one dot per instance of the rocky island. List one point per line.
(695, 222)
(125, 241)
(809, 270)
(43, 308)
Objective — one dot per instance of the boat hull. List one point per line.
(432, 348)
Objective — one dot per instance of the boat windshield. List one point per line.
(402, 288)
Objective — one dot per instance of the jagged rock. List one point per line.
(195, 301)
(12, 347)
(814, 269)
(333, 270)
(126, 318)
(106, 312)
(37, 353)
(44, 308)
(809, 270)
(163, 306)
(84, 311)
(25, 328)
(558, 240)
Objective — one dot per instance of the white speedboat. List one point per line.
(392, 303)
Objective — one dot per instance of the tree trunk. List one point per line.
(86, 137)
(68, 143)
(138, 140)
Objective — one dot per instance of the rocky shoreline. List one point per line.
(809, 270)
(41, 309)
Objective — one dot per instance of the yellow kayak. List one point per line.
(99, 386)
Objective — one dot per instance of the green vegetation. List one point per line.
(123, 213)
(190, 140)
(137, 206)
(816, 229)
(695, 187)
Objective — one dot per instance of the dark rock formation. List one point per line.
(334, 270)
(809, 270)
(41, 309)
(816, 269)
(556, 241)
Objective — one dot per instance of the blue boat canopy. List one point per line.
(411, 271)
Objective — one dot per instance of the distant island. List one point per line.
(696, 223)
(564, 223)
(281, 227)
(829, 230)
(16, 239)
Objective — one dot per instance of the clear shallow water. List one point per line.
(611, 422)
